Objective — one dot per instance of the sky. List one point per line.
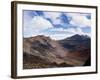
(56, 25)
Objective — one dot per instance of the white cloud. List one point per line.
(60, 36)
(58, 29)
(68, 30)
(60, 33)
(36, 24)
(53, 16)
(79, 20)
(57, 36)
(39, 23)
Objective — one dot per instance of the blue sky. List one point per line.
(57, 25)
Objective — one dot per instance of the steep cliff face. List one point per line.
(41, 50)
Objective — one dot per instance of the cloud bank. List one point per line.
(57, 25)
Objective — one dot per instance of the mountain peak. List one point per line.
(78, 37)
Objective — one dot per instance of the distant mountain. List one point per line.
(76, 42)
(43, 52)
(78, 37)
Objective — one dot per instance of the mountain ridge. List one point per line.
(53, 52)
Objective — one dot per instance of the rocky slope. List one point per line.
(43, 52)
